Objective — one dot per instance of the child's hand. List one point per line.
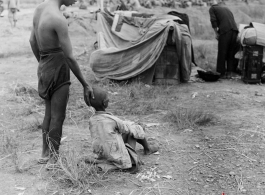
(142, 125)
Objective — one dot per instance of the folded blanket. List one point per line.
(260, 29)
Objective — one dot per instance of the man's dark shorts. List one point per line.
(53, 72)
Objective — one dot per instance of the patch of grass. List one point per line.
(255, 12)
(139, 99)
(205, 54)
(8, 143)
(74, 175)
(184, 118)
(201, 29)
(28, 99)
(31, 125)
(9, 146)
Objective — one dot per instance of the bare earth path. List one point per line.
(227, 156)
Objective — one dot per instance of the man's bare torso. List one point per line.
(46, 17)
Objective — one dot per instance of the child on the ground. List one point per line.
(114, 139)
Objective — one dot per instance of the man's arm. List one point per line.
(61, 28)
(34, 45)
(213, 20)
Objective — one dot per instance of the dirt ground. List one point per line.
(226, 156)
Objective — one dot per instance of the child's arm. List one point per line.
(132, 128)
(126, 127)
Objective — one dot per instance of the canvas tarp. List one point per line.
(130, 46)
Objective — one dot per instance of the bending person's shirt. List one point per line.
(222, 18)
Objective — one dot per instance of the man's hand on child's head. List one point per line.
(88, 93)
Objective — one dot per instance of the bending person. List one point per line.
(226, 31)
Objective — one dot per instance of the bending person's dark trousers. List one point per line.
(226, 52)
(53, 74)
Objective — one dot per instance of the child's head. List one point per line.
(101, 100)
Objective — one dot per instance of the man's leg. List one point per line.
(222, 54)
(45, 130)
(232, 49)
(58, 107)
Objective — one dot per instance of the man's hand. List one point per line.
(217, 36)
(88, 92)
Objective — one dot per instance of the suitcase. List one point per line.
(252, 64)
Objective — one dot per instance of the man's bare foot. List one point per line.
(43, 160)
(51, 167)
(152, 149)
(52, 163)
(53, 159)
(44, 157)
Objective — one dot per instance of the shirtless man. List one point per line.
(52, 47)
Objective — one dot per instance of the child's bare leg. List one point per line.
(129, 139)
(145, 144)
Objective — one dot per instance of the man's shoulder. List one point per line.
(214, 6)
(104, 116)
(49, 12)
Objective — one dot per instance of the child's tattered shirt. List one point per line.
(106, 132)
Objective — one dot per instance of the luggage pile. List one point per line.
(252, 60)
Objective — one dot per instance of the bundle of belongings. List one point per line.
(252, 53)
(137, 45)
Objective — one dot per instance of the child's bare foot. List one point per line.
(152, 149)
(134, 169)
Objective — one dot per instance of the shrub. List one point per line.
(184, 118)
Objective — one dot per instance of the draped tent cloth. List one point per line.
(121, 58)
